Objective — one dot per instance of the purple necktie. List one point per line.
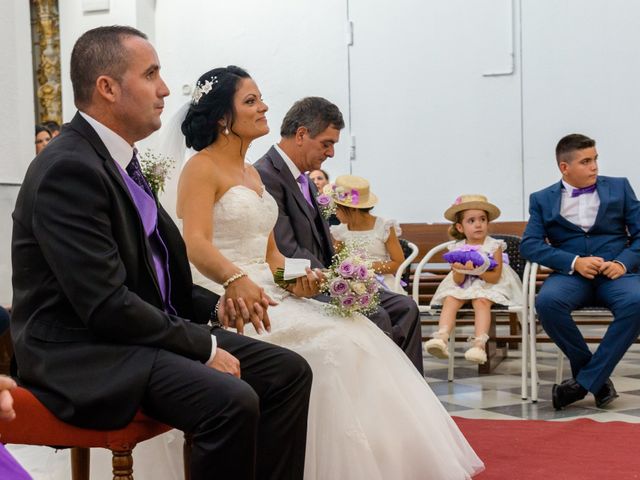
(579, 191)
(135, 172)
(304, 186)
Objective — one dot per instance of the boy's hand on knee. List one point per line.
(612, 270)
(588, 267)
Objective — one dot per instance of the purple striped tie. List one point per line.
(135, 172)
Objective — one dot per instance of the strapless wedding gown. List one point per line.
(372, 416)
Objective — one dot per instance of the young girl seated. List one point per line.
(354, 202)
(480, 273)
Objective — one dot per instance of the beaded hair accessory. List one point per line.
(202, 88)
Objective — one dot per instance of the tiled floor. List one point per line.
(497, 395)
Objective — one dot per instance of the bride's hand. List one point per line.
(251, 303)
(308, 286)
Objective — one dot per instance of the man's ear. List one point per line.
(563, 166)
(107, 88)
(300, 133)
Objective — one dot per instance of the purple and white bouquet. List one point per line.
(351, 282)
(325, 202)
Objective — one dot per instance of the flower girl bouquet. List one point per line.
(351, 283)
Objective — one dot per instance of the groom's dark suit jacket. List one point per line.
(300, 231)
(88, 318)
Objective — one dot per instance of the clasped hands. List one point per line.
(590, 267)
(244, 301)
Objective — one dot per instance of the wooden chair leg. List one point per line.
(122, 462)
(80, 461)
(186, 455)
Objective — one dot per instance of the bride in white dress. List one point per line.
(372, 416)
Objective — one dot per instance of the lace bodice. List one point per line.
(243, 221)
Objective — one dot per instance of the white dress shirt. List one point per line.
(581, 210)
(295, 171)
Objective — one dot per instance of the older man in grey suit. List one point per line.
(309, 132)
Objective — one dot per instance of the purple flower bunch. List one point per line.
(351, 283)
(481, 261)
(463, 255)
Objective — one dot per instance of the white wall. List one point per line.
(291, 48)
(17, 146)
(581, 74)
(74, 22)
(431, 121)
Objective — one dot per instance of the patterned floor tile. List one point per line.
(484, 399)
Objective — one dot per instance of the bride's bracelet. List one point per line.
(233, 278)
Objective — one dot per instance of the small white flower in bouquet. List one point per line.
(351, 282)
(155, 168)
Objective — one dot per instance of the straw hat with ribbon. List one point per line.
(353, 192)
(472, 202)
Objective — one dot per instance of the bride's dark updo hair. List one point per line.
(213, 100)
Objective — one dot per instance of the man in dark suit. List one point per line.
(309, 132)
(587, 229)
(106, 319)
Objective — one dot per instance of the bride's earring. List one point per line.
(226, 130)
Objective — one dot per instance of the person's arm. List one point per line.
(494, 275)
(395, 252)
(197, 191)
(630, 256)
(308, 286)
(71, 221)
(283, 230)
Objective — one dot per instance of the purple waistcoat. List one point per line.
(148, 211)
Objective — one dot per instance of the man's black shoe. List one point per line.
(566, 393)
(606, 394)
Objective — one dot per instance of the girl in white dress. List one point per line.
(372, 416)
(492, 281)
(377, 235)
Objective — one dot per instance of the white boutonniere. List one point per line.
(156, 168)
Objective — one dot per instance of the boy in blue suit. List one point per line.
(586, 228)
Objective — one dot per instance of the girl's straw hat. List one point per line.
(353, 192)
(472, 202)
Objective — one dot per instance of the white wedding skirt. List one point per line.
(372, 416)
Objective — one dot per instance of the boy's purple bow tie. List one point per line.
(579, 191)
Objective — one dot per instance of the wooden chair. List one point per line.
(522, 269)
(36, 425)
